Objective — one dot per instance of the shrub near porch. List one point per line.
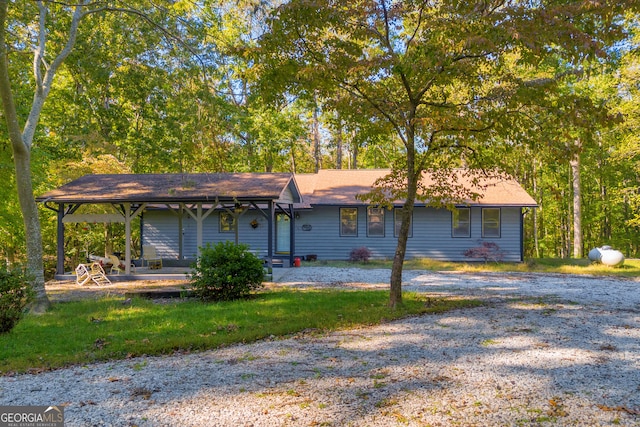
(226, 272)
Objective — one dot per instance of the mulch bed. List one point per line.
(61, 291)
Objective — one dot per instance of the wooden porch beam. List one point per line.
(128, 216)
(199, 216)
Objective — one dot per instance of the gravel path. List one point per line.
(545, 350)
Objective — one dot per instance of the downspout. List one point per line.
(292, 235)
(271, 218)
(523, 213)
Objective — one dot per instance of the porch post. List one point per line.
(60, 242)
(199, 217)
(271, 218)
(128, 216)
(199, 227)
(127, 238)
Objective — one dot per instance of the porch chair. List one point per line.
(117, 266)
(149, 255)
(91, 273)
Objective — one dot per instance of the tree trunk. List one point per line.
(293, 159)
(33, 237)
(536, 243)
(339, 145)
(22, 164)
(21, 140)
(395, 285)
(566, 226)
(316, 139)
(354, 157)
(108, 239)
(577, 206)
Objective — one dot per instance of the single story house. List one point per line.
(332, 221)
(282, 216)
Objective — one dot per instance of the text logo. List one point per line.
(31, 416)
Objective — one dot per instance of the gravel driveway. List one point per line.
(545, 350)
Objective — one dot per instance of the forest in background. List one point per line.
(179, 87)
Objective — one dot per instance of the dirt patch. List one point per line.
(60, 291)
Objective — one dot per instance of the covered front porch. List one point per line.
(165, 273)
(194, 196)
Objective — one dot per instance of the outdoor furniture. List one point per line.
(99, 259)
(154, 262)
(117, 266)
(91, 273)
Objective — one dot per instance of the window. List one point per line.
(461, 222)
(375, 222)
(348, 221)
(397, 222)
(491, 222)
(227, 224)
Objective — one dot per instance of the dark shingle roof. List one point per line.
(118, 188)
(340, 187)
(327, 187)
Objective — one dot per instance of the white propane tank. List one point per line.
(595, 255)
(612, 258)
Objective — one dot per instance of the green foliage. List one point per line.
(15, 295)
(226, 272)
(455, 95)
(181, 91)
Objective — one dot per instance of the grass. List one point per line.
(75, 333)
(630, 268)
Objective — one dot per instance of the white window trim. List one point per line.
(468, 222)
(484, 235)
(369, 221)
(340, 222)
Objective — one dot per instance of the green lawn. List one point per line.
(92, 330)
(630, 268)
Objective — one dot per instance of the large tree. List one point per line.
(45, 67)
(446, 75)
(49, 38)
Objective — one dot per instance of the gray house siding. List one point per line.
(431, 235)
(317, 231)
(160, 228)
(324, 240)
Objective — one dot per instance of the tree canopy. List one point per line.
(450, 78)
(250, 85)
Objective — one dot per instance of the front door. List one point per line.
(283, 233)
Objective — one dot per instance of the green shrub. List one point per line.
(15, 294)
(225, 272)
